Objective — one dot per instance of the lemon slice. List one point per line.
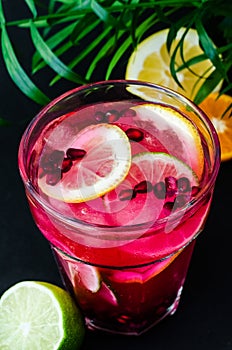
(105, 164)
(151, 62)
(175, 132)
(39, 315)
(147, 206)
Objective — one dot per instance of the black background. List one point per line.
(204, 317)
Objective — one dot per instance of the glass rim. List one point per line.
(159, 222)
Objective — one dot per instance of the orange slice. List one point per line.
(150, 62)
(215, 108)
(105, 165)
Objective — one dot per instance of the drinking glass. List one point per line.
(126, 274)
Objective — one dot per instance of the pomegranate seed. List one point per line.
(53, 179)
(75, 153)
(48, 167)
(159, 190)
(183, 184)
(52, 161)
(43, 160)
(128, 113)
(112, 116)
(171, 185)
(99, 116)
(126, 195)
(181, 200)
(168, 206)
(56, 156)
(143, 187)
(135, 134)
(66, 165)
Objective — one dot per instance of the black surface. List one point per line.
(203, 319)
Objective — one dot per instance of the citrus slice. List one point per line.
(150, 62)
(87, 275)
(174, 131)
(104, 161)
(132, 206)
(215, 107)
(143, 274)
(39, 315)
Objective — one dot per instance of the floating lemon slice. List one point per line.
(148, 205)
(219, 110)
(151, 62)
(175, 132)
(105, 162)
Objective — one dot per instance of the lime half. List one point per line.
(39, 315)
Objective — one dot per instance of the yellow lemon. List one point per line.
(105, 164)
(151, 62)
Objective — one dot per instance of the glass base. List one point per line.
(125, 301)
(131, 328)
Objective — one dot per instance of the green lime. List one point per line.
(39, 315)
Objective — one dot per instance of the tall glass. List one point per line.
(123, 253)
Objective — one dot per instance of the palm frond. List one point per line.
(15, 70)
(51, 59)
(112, 28)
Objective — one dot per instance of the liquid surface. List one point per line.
(151, 186)
(166, 171)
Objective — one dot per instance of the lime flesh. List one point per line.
(39, 315)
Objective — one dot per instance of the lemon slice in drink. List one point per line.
(150, 61)
(132, 205)
(105, 164)
(175, 132)
(39, 315)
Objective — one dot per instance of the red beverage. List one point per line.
(121, 187)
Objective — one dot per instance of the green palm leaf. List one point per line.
(52, 42)
(208, 86)
(31, 5)
(90, 32)
(103, 14)
(51, 59)
(17, 73)
(85, 52)
(126, 44)
(208, 47)
(100, 55)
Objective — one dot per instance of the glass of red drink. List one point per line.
(119, 176)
